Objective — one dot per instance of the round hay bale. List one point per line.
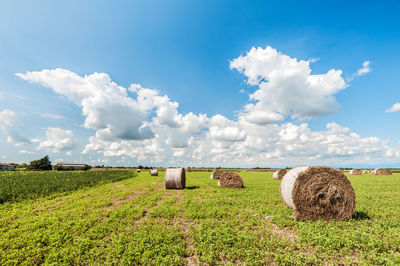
(318, 193)
(356, 172)
(216, 174)
(381, 171)
(279, 174)
(230, 180)
(175, 178)
(138, 170)
(154, 172)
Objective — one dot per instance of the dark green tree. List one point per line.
(41, 164)
(86, 167)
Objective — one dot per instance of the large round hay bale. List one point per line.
(216, 174)
(138, 170)
(382, 171)
(154, 172)
(175, 178)
(279, 174)
(356, 172)
(318, 193)
(230, 180)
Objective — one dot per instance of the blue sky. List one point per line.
(184, 51)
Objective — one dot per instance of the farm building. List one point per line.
(6, 167)
(70, 166)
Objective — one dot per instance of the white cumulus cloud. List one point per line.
(286, 87)
(394, 108)
(11, 126)
(365, 68)
(105, 105)
(139, 123)
(58, 140)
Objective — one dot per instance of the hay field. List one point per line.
(137, 221)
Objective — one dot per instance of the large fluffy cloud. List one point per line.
(58, 140)
(286, 87)
(140, 123)
(289, 144)
(106, 106)
(119, 119)
(11, 126)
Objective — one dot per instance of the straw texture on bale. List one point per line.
(175, 178)
(216, 174)
(230, 180)
(356, 172)
(381, 171)
(318, 193)
(154, 172)
(279, 174)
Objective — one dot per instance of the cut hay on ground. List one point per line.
(154, 172)
(279, 174)
(356, 172)
(216, 174)
(318, 193)
(382, 171)
(230, 180)
(175, 178)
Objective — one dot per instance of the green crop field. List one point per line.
(30, 185)
(136, 221)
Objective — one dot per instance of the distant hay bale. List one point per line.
(230, 180)
(279, 174)
(154, 172)
(138, 170)
(216, 174)
(356, 172)
(175, 178)
(382, 171)
(318, 193)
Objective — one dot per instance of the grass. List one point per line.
(137, 221)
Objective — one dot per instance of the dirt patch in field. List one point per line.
(185, 226)
(179, 195)
(285, 233)
(121, 187)
(341, 259)
(117, 202)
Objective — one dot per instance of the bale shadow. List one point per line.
(359, 215)
(192, 187)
